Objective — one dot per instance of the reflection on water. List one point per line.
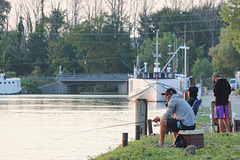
(65, 126)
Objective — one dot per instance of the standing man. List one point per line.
(221, 91)
(179, 116)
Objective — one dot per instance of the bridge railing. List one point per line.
(94, 76)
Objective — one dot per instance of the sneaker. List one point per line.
(158, 145)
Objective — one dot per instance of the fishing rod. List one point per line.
(95, 129)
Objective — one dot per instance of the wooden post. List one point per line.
(150, 127)
(124, 139)
(141, 115)
(137, 131)
(185, 95)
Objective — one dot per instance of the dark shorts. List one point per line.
(221, 111)
(175, 125)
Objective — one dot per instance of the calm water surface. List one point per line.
(65, 126)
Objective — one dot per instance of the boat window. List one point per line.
(4, 82)
(162, 75)
(0, 82)
(9, 82)
(13, 82)
(151, 75)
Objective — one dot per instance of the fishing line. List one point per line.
(95, 129)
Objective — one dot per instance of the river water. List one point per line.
(66, 127)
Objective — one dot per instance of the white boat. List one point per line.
(9, 85)
(150, 85)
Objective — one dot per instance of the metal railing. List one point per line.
(94, 76)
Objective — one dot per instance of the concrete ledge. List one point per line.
(191, 132)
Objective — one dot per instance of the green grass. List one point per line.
(203, 118)
(217, 146)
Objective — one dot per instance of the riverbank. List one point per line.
(217, 146)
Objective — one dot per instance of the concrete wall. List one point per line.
(54, 88)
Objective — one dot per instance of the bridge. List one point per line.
(72, 83)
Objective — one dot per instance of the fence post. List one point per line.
(137, 132)
(150, 127)
(185, 95)
(141, 115)
(124, 139)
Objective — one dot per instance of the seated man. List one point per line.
(179, 116)
(192, 94)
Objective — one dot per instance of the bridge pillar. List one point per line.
(62, 88)
(73, 89)
(123, 88)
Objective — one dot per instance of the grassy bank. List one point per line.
(217, 146)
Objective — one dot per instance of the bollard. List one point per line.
(150, 127)
(141, 115)
(137, 131)
(124, 139)
(185, 95)
(233, 122)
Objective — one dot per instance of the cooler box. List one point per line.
(193, 137)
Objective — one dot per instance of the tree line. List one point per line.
(109, 40)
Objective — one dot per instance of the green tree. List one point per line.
(55, 23)
(37, 49)
(230, 14)
(70, 50)
(37, 72)
(199, 24)
(225, 58)
(13, 59)
(14, 52)
(202, 68)
(5, 8)
(56, 58)
(104, 44)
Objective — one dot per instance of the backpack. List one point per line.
(196, 105)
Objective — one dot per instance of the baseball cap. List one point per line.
(169, 91)
(215, 75)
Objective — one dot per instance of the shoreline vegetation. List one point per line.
(216, 146)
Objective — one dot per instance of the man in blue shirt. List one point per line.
(178, 116)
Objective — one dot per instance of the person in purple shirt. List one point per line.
(221, 91)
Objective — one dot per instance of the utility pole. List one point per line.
(42, 18)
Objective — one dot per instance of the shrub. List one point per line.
(31, 88)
